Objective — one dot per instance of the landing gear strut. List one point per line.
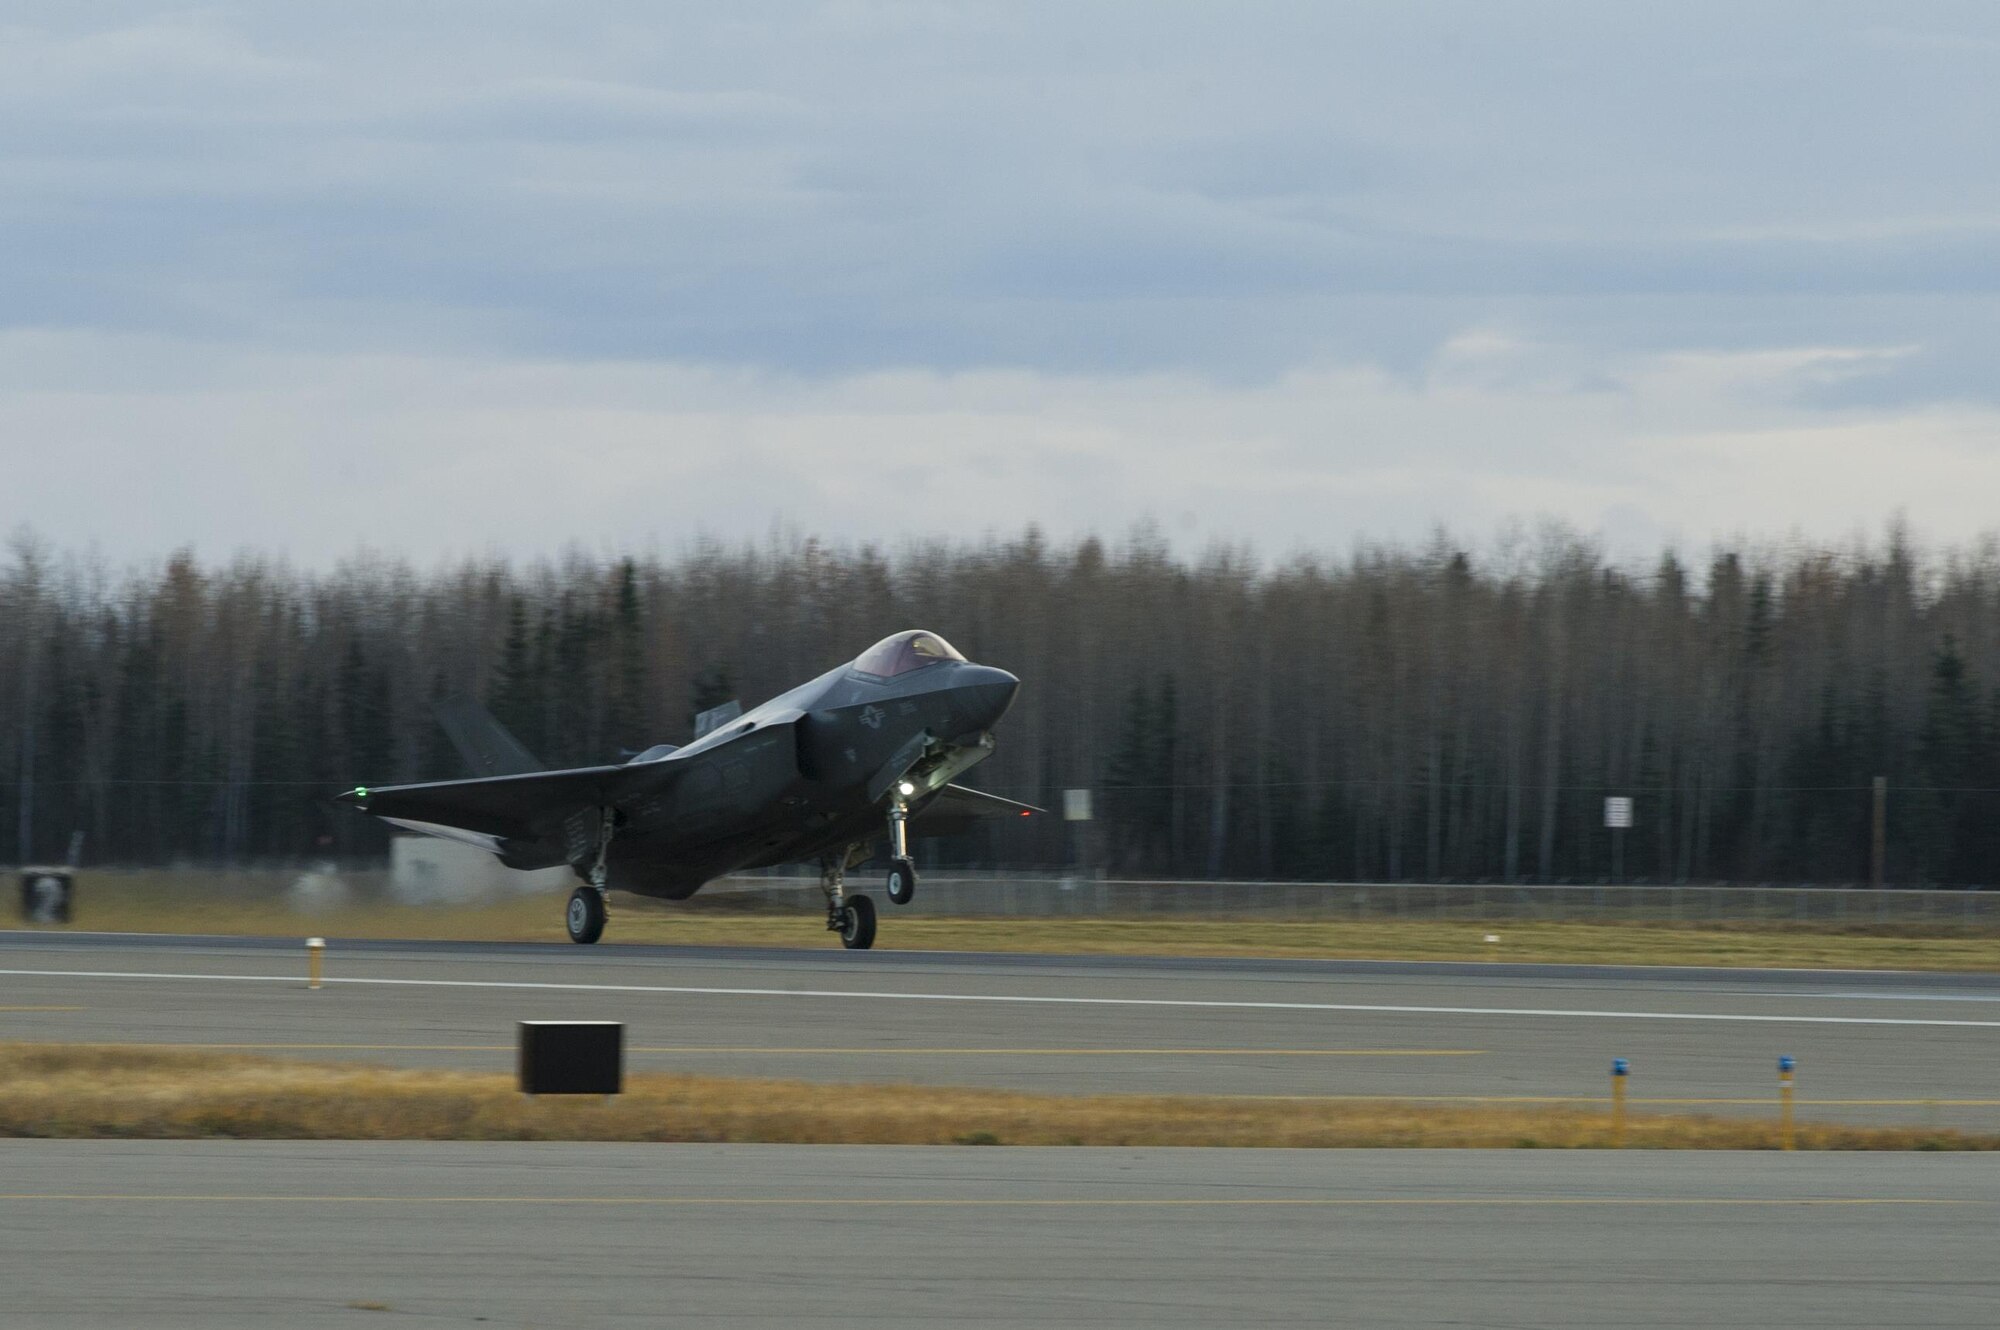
(853, 917)
(587, 912)
(902, 869)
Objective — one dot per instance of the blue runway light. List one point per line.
(1786, 1063)
(1620, 1067)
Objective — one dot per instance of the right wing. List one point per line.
(956, 809)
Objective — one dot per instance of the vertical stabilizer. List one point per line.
(483, 741)
(715, 718)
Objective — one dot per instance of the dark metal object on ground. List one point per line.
(47, 895)
(572, 1057)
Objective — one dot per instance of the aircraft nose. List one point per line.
(984, 694)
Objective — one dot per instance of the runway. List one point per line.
(1892, 1048)
(254, 1234)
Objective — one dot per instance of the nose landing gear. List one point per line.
(902, 883)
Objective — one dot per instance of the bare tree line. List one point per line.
(1397, 713)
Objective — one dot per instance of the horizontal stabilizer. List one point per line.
(482, 741)
(477, 839)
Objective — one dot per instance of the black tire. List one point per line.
(902, 881)
(857, 924)
(585, 916)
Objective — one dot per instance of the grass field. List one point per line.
(76, 1092)
(149, 903)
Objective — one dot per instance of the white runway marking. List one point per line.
(1027, 999)
(1873, 997)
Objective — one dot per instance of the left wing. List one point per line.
(510, 807)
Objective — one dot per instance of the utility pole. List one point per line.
(1878, 857)
(24, 834)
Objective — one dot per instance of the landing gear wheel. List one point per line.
(902, 881)
(585, 916)
(857, 923)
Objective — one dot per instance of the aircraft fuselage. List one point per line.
(804, 774)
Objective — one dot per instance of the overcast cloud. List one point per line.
(456, 278)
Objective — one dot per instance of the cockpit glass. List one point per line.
(905, 652)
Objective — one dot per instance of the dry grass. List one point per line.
(61, 1091)
(179, 904)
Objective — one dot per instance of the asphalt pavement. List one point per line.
(1891, 1048)
(259, 1234)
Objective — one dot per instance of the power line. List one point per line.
(1017, 791)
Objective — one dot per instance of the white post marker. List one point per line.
(315, 949)
(1618, 817)
(1078, 812)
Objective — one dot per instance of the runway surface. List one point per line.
(255, 1234)
(1893, 1048)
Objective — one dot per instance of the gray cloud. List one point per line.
(1228, 196)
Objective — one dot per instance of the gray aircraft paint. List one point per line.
(801, 777)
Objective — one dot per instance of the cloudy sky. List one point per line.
(452, 278)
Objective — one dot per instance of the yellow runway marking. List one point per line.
(1077, 1202)
(285, 1048)
(1836, 1103)
(1601, 1100)
(1099, 1052)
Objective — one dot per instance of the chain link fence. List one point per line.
(1000, 895)
(961, 893)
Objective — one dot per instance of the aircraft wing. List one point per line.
(955, 809)
(510, 806)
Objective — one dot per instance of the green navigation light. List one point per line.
(361, 791)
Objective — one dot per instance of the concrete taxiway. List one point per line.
(1891, 1048)
(213, 1234)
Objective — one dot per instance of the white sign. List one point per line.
(1076, 805)
(1618, 812)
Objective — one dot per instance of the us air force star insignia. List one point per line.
(872, 717)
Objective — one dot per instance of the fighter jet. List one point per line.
(817, 774)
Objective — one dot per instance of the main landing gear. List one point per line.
(586, 913)
(853, 917)
(902, 869)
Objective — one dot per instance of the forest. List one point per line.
(1434, 712)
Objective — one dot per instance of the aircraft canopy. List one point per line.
(904, 652)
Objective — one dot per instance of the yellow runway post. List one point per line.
(1786, 1140)
(1620, 1068)
(315, 948)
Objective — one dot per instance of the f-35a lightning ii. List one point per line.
(818, 773)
